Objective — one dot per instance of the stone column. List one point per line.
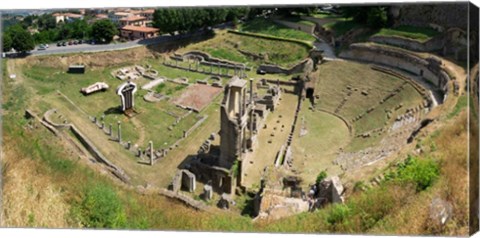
(119, 132)
(94, 119)
(103, 125)
(110, 129)
(129, 144)
(151, 152)
(251, 110)
(139, 152)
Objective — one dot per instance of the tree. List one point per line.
(104, 31)
(22, 40)
(189, 19)
(372, 16)
(46, 21)
(7, 42)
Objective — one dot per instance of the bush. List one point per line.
(338, 214)
(377, 18)
(101, 208)
(423, 173)
(321, 176)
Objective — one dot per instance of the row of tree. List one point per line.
(19, 38)
(182, 20)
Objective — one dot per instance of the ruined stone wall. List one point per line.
(220, 178)
(434, 44)
(207, 59)
(401, 59)
(297, 26)
(443, 14)
(304, 66)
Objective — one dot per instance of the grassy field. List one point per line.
(227, 45)
(333, 90)
(155, 121)
(315, 151)
(421, 34)
(269, 27)
(153, 117)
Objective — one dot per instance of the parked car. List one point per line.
(59, 44)
(80, 42)
(75, 42)
(64, 43)
(41, 47)
(261, 72)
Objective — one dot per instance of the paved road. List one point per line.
(54, 49)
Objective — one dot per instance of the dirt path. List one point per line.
(328, 51)
(13, 66)
(140, 130)
(458, 71)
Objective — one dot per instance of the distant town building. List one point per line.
(67, 17)
(132, 21)
(116, 16)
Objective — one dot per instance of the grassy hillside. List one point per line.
(269, 27)
(229, 46)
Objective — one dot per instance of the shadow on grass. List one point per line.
(113, 110)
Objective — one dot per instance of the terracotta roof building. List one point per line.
(132, 21)
(138, 32)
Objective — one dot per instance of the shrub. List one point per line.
(321, 176)
(422, 173)
(101, 208)
(338, 214)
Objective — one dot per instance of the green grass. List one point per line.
(421, 34)
(153, 115)
(299, 20)
(461, 104)
(227, 45)
(332, 90)
(269, 27)
(227, 54)
(327, 16)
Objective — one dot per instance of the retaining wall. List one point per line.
(297, 26)
(434, 44)
(304, 66)
(429, 68)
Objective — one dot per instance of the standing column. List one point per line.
(151, 152)
(251, 110)
(119, 132)
(110, 129)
